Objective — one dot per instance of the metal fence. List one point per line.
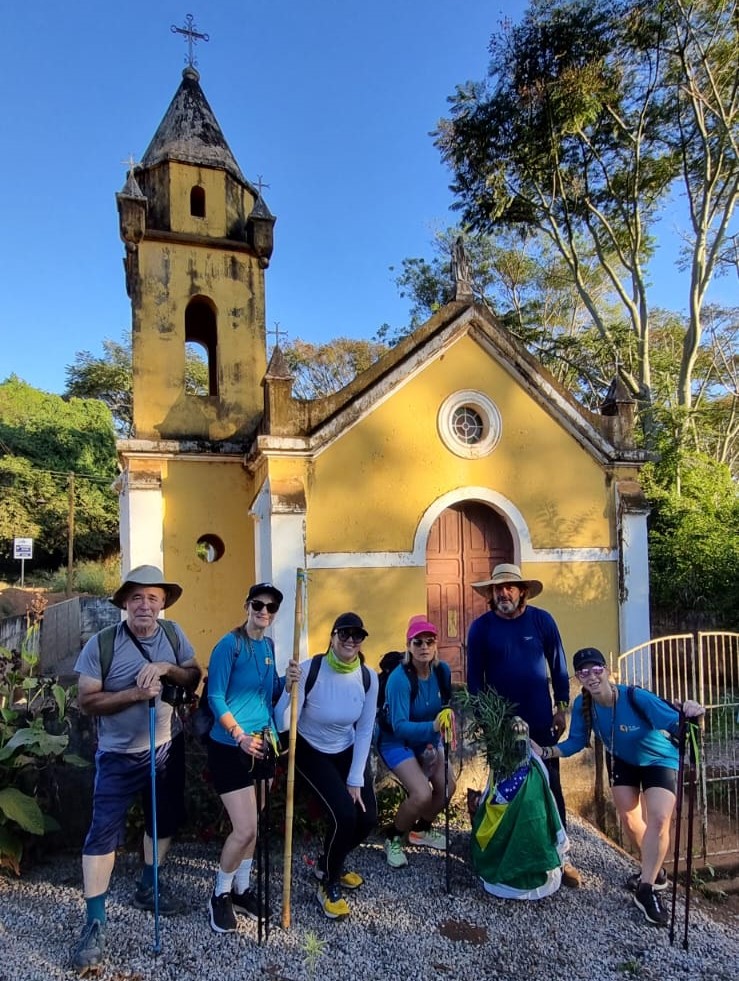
(704, 667)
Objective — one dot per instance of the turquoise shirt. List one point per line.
(628, 736)
(246, 684)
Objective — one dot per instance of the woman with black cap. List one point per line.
(642, 762)
(337, 700)
(242, 688)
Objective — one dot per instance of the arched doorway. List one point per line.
(464, 544)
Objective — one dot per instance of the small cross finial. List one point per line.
(260, 183)
(275, 329)
(192, 36)
(130, 163)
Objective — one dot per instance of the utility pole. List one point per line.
(70, 534)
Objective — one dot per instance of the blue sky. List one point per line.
(330, 101)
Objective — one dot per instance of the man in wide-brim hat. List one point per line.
(517, 650)
(122, 670)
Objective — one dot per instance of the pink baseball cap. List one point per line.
(420, 625)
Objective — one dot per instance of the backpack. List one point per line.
(203, 718)
(106, 637)
(388, 663)
(315, 667)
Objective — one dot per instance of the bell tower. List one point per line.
(198, 237)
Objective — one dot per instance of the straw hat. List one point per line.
(507, 574)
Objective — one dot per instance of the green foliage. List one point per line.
(43, 438)
(94, 577)
(693, 536)
(33, 738)
(490, 721)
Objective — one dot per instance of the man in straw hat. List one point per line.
(121, 669)
(516, 649)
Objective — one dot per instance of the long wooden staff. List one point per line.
(290, 786)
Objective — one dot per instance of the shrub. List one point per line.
(33, 739)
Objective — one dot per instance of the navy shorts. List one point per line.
(624, 774)
(233, 769)
(120, 778)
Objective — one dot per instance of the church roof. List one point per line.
(189, 132)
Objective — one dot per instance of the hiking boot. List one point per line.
(348, 880)
(168, 906)
(570, 876)
(245, 903)
(394, 851)
(87, 954)
(660, 883)
(648, 902)
(427, 839)
(334, 906)
(221, 913)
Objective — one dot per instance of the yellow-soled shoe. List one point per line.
(334, 906)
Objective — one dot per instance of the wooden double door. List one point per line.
(465, 543)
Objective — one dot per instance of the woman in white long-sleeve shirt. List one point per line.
(337, 701)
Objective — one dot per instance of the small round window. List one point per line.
(209, 548)
(469, 424)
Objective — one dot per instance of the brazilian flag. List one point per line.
(518, 844)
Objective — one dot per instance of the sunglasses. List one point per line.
(258, 605)
(423, 641)
(595, 669)
(356, 635)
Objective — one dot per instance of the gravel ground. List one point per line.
(403, 925)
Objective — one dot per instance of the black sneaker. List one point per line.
(168, 906)
(245, 903)
(650, 905)
(662, 882)
(221, 914)
(87, 954)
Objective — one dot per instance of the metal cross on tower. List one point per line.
(192, 36)
(277, 333)
(260, 183)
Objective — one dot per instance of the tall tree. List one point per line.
(321, 369)
(591, 114)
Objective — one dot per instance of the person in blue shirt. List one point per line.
(410, 744)
(516, 649)
(243, 686)
(642, 764)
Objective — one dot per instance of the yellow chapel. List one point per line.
(454, 452)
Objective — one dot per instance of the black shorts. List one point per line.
(624, 774)
(233, 769)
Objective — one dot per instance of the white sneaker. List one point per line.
(394, 851)
(427, 839)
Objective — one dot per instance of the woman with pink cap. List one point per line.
(410, 743)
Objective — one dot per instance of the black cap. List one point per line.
(587, 655)
(349, 621)
(264, 587)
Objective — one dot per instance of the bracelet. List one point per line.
(231, 730)
(240, 738)
(546, 752)
(562, 706)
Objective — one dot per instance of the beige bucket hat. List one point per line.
(146, 575)
(508, 574)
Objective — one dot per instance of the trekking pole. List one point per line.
(265, 833)
(154, 837)
(260, 858)
(678, 819)
(290, 779)
(692, 761)
(447, 859)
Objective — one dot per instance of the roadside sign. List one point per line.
(22, 548)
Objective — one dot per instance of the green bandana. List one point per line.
(343, 667)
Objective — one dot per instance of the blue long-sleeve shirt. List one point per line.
(512, 656)
(628, 736)
(412, 722)
(246, 684)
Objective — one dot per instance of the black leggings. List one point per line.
(348, 825)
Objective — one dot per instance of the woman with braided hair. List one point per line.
(642, 765)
